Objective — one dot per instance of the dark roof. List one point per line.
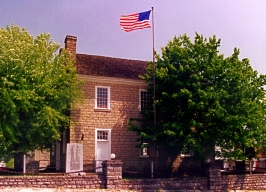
(109, 66)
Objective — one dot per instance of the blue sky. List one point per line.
(238, 23)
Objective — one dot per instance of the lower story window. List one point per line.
(102, 135)
(186, 153)
(144, 150)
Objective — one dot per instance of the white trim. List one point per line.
(108, 95)
(141, 90)
(98, 159)
(113, 80)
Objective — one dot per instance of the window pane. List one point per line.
(102, 135)
(144, 99)
(144, 150)
(186, 153)
(102, 97)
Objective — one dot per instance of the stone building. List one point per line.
(113, 94)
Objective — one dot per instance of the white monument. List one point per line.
(74, 157)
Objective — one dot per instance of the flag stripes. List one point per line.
(135, 21)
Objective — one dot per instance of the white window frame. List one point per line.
(108, 96)
(105, 130)
(141, 90)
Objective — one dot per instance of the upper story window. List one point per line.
(102, 97)
(144, 98)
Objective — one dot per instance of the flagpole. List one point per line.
(153, 62)
(154, 95)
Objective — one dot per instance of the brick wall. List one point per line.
(70, 44)
(95, 181)
(244, 182)
(199, 183)
(113, 174)
(111, 178)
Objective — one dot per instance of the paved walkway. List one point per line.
(59, 190)
(73, 190)
(85, 190)
(105, 190)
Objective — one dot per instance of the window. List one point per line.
(102, 135)
(102, 95)
(144, 150)
(186, 153)
(144, 99)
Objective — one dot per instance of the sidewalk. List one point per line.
(85, 190)
(106, 190)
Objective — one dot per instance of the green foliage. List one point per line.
(37, 88)
(204, 100)
(10, 163)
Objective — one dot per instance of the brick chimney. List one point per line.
(71, 44)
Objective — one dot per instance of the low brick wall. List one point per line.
(113, 174)
(94, 181)
(98, 181)
(111, 178)
(244, 182)
(199, 183)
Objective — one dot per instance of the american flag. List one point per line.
(135, 21)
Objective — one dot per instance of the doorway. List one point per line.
(103, 147)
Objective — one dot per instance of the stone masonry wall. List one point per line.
(111, 178)
(113, 174)
(199, 183)
(95, 181)
(244, 182)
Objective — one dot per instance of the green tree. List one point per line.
(37, 88)
(205, 100)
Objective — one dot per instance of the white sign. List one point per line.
(74, 157)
